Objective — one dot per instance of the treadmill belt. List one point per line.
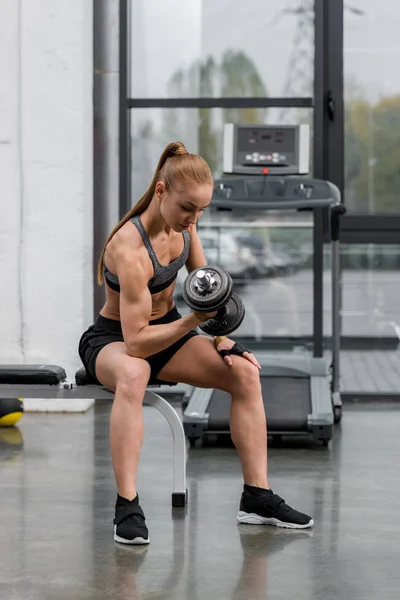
(286, 401)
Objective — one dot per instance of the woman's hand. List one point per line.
(226, 347)
(203, 316)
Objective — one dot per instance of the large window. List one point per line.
(203, 48)
(200, 129)
(372, 106)
(196, 65)
(370, 291)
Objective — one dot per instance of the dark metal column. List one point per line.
(319, 161)
(105, 129)
(124, 116)
(328, 131)
(335, 126)
(328, 92)
(335, 101)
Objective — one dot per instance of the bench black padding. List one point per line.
(32, 374)
(83, 378)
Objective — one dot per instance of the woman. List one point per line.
(140, 338)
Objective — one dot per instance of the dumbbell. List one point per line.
(209, 289)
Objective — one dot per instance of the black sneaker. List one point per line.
(129, 523)
(263, 507)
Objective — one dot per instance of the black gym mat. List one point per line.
(286, 402)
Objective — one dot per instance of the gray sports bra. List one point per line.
(164, 275)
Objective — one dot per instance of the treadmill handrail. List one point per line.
(263, 203)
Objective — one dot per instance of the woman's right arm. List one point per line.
(142, 339)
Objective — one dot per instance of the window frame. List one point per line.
(328, 141)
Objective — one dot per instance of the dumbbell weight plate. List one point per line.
(208, 300)
(230, 319)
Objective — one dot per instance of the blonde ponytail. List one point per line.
(176, 166)
(173, 149)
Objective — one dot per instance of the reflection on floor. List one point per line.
(56, 506)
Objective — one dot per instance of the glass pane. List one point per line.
(372, 106)
(204, 48)
(201, 130)
(270, 261)
(370, 291)
(268, 255)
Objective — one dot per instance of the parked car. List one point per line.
(222, 249)
(272, 260)
(257, 248)
(280, 263)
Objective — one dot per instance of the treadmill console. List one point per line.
(266, 149)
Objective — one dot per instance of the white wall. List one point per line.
(45, 179)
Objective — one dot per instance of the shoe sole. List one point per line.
(138, 541)
(253, 519)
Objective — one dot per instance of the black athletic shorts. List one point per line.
(104, 331)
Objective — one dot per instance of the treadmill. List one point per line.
(300, 390)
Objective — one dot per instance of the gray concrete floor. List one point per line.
(370, 371)
(57, 496)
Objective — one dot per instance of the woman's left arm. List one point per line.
(223, 345)
(196, 258)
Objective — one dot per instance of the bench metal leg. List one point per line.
(69, 390)
(179, 494)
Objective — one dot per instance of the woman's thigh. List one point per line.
(113, 365)
(197, 363)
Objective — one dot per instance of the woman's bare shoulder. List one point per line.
(126, 246)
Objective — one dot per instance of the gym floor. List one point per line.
(57, 498)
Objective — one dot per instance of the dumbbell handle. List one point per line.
(204, 280)
(203, 277)
(218, 340)
(203, 316)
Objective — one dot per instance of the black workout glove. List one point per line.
(237, 348)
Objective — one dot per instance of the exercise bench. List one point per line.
(50, 381)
